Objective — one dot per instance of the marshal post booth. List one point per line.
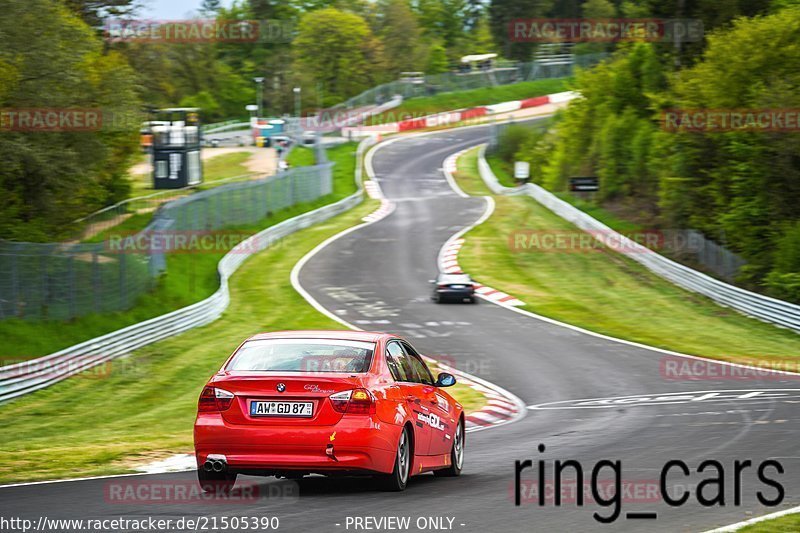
(176, 148)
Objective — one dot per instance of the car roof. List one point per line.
(364, 336)
(453, 276)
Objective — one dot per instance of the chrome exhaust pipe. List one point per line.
(219, 465)
(208, 466)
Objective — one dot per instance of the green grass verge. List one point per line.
(606, 217)
(142, 407)
(785, 524)
(468, 397)
(504, 171)
(426, 105)
(505, 175)
(300, 156)
(215, 168)
(189, 278)
(604, 291)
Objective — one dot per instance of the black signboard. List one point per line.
(584, 184)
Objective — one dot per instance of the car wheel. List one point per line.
(473, 300)
(456, 454)
(398, 479)
(216, 482)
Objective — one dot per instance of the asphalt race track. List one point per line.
(377, 278)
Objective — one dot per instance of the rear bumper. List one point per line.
(360, 443)
(455, 293)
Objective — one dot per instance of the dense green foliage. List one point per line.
(50, 59)
(741, 188)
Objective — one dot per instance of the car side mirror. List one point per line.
(445, 380)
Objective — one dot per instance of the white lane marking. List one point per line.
(671, 398)
(294, 277)
(739, 525)
(386, 209)
(182, 462)
(373, 190)
(486, 417)
(474, 381)
(47, 482)
(448, 255)
(450, 166)
(627, 342)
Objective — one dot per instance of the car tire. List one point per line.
(456, 454)
(216, 482)
(473, 300)
(398, 479)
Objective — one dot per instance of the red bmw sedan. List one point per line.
(293, 403)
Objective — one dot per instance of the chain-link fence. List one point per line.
(474, 79)
(65, 280)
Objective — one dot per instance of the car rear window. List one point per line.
(303, 355)
(456, 279)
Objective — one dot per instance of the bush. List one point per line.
(511, 140)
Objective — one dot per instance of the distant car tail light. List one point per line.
(358, 401)
(214, 399)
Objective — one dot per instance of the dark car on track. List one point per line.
(454, 288)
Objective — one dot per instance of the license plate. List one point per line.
(303, 409)
(457, 286)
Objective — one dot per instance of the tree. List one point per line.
(93, 12)
(400, 35)
(746, 184)
(210, 7)
(437, 59)
(338, 51)
(480, 38)
(502, 12)
(50, 58)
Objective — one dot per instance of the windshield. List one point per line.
(303, 355)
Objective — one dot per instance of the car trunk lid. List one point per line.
(263, 388)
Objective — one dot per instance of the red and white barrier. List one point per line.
(454, 117)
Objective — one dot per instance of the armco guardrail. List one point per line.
(755, 305)
(26, 377)
(215, 126)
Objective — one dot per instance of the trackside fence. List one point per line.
(752, 304)
(59, 281)
(26, 377)
(460, 81)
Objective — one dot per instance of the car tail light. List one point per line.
(357, 401)
(214, 399)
